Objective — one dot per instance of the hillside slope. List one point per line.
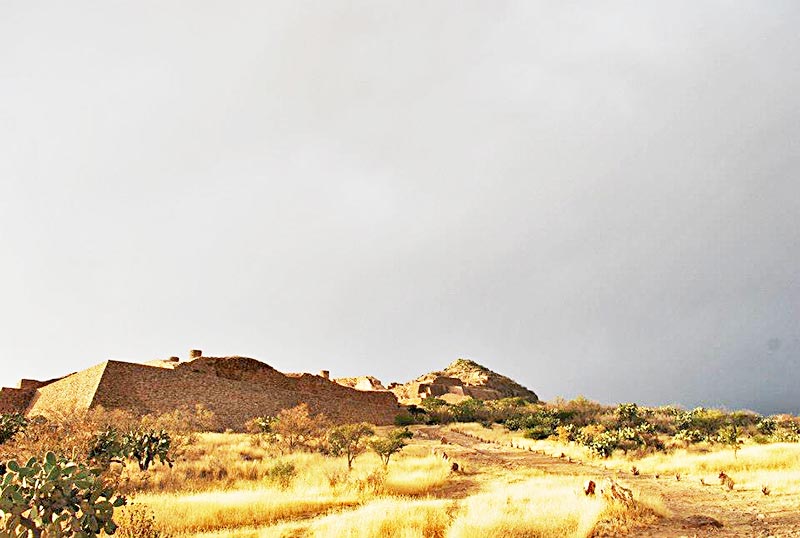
(460, 380)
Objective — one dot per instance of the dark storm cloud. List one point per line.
(591, 198)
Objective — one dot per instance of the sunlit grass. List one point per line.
(214, 510)
(394, 517)
(542, 507)
(222, 487)
(389, 518)
(416, 476)
(776, 465)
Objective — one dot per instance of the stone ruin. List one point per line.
(459, 381)
(366, 382)
(235, 388)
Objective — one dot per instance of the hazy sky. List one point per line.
(596, 198)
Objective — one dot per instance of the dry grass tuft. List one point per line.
(541, 507)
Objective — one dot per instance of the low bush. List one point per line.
(10, 425)
(282, 474)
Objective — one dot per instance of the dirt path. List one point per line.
(743, 513)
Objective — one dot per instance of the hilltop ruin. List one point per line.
(460, 380)
(236, 389)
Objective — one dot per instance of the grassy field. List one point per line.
(225, 485)
(289, 477)
(775, 465)
(505, 485)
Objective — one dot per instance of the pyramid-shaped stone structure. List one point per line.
(236, 389)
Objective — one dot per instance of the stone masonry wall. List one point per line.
(144, 389)
(15, 400)
(68, 394)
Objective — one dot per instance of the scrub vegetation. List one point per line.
(500, 468)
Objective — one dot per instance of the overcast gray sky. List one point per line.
(596, 198)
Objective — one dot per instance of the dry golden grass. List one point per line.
(416, 475)
(541, 507)
(223, 483)
(776, 465)
(394, 517)
(390, 518)
(620, 519)
(216, 510)
(222, 488)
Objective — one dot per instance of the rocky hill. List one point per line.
(461, 379)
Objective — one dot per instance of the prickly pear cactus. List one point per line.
(55, 498)
(146, 446)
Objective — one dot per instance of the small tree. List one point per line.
(729, 435)
(295, 427)
(349, 440)
(384, 447)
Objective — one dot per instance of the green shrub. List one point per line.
(142, 446)
(543, 420)
(10, 425)
(282, 474)
(629, 439)
(628, 414)
(767, 426)
(566, 433)
(262, 425)
(139, 522)
(598, 440)
(470, 410)
(690, 436)
(729, 435)
(404, 419)
(438, 411)
(604, 444)
(708, 421)
(538, 432)
(432, 404)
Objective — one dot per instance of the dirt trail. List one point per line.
(744, 513)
